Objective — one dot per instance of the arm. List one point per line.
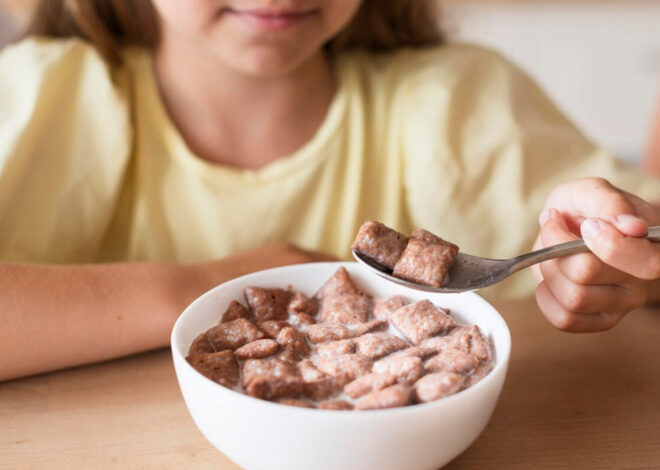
(62, 316)
(651, 160)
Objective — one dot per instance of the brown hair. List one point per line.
(112, 24)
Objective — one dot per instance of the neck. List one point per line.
(229, 117)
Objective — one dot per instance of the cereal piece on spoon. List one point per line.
(426, 259)
(380, 243)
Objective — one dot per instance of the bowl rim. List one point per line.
(502, 357)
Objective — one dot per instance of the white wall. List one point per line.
(7, 28)
(599, 60)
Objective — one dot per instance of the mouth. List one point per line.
(267, 19)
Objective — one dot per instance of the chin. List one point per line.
(270, 62)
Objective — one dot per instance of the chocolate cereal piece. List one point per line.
(221, 367)
(407, 369)
(272, 367)
(380, 243)
(383, 308)
(481, 371)
(441, 384)
(234, 311)
(202, 344)
(302, 320)
(257, 349)
(293, 340)
(233, 334)
(428, 237)
(272, 327)
(425, 263)
(339, 284)
(323, 332)
(469, 340)
(368, 383)
(336, 348)
(480, 347)
(451, 360)
(370, 326)
(324, 388)
(350, 365)
(301, 304)
(309, 372)
(335, 405)
(375, 345)
(268, 304)
(345, 308)
(421, 320)
(436, 344)
(273, 388)
(296, 402)
(390, 397)
(412, 351)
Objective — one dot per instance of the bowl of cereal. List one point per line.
(327, 366)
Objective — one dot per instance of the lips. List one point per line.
(271, 19)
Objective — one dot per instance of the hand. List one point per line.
(594, 291)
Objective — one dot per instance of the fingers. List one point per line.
(583, 268)
(565, 320)
(637, 257)
(592, 298)
(581, 293)
(596, 197)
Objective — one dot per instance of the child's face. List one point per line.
(258, 37)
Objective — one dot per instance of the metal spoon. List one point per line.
(473, 272)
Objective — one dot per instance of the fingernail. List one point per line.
(628, 218)
(590, 229)
(545, 216)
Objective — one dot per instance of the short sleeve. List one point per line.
(65, 141)
(484, 147)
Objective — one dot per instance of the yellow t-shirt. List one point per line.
(453, 139)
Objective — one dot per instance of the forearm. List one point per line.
(61, 316)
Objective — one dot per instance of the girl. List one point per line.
(149, 151)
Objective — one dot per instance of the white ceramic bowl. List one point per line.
(260, 435)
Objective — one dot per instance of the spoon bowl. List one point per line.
(469, 272)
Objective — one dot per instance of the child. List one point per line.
(186, 143)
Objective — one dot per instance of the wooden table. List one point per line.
(570, 401)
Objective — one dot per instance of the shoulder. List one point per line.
(60, 70)
(67, 79)
(439, 66)
(40, 56)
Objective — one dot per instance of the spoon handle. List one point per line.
(565, 249)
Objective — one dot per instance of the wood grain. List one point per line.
(570, 401)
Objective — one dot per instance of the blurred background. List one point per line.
(598, 59)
